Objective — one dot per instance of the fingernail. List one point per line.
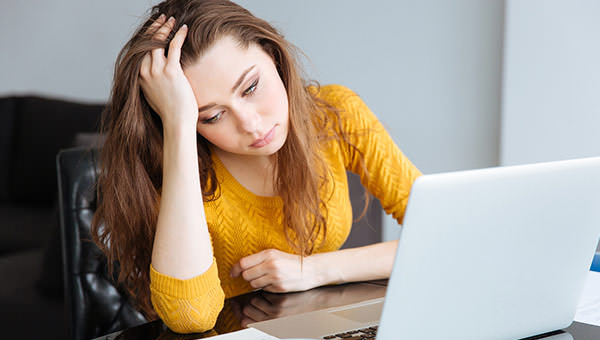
(171, 19)
(161, 17)
(184, 26)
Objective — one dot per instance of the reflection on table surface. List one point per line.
(257, 306)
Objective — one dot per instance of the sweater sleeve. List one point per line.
(389, 173)
(187, 306)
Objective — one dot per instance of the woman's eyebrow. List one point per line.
(235, 86)
(239, 81)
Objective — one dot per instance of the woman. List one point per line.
(224, 172)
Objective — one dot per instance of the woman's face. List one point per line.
(243, 105)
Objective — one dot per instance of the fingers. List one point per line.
(248, 262)
(145, 66)
(254, 273)
(250, 274)
(236, 270)
(261, 282)
(163, 32)
(275, 289)
(160, 30)
(176, 43)
(156, 24)
(147, 60)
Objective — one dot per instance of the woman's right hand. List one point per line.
(163, 82)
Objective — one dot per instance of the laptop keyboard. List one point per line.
(363, 333)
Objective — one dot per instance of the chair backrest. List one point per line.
(95, 305)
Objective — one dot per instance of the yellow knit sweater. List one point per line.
(241, 223)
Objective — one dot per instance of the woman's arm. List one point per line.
(184, 283)
(277, 271)
(182, 247)
(372, 262)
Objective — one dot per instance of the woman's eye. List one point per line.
(213, 119)
(251, 89)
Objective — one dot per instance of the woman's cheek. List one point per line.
(278, 101)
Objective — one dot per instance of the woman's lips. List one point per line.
(259, 143)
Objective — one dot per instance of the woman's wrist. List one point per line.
(324, 268)
(354, 264)
(179, 129)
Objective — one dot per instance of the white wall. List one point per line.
(64, 48)
(551, 100)
(429, 69)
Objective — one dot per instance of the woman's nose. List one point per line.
(249, 121)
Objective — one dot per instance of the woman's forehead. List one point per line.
(220, 67)
(224, 54)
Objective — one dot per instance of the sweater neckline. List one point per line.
(227, 180)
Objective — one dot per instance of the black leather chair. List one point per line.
(94, 304)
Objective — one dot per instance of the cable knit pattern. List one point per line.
(241, 223)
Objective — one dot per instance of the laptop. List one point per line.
(497, 253)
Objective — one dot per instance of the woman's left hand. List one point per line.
(278, 272)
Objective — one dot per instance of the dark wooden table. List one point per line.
(259, 306)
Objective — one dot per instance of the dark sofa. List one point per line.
(32, 131)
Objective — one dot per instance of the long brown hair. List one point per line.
(130, 181)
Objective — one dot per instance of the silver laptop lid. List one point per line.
(499, 253)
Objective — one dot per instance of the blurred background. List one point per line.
(459, 85)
